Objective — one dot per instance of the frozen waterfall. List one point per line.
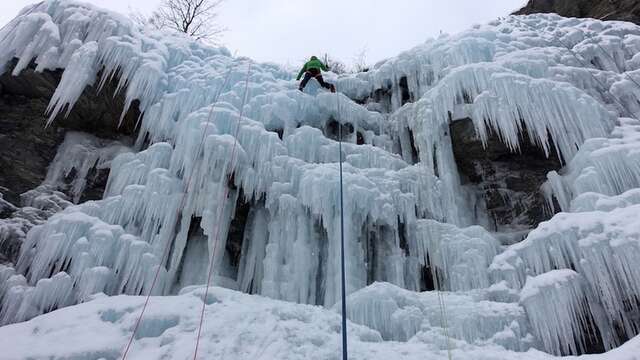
(415, 231)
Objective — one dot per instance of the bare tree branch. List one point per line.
(335, 65)
(360, 60)
(196, 18)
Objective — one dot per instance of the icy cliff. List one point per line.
(235, 170)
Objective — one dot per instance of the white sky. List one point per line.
(288, 31)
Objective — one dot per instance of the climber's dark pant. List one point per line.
(314, 73)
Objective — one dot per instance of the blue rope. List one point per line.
(342, 267)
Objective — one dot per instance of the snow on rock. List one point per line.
(591, 201)
(235, 169)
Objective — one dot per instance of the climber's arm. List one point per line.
(304, 68)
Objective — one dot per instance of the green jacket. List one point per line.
(314, 63)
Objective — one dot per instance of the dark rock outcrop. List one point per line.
(27, 147)
(625, 10)
(508, 181)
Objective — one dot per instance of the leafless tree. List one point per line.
(138, 17)
(360, 61)
(196, 18)
(335, 65)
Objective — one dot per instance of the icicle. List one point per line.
(80, 153)
(561, 307)
(80, 72)
(461, 256)
(599, 246)
(608, 166)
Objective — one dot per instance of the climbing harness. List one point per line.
(342, 265)
(165, 251)
(222, 202)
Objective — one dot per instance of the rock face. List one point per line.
(625, 10)
(508, 181)
(27, 148)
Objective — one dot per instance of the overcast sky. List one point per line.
(288, 31)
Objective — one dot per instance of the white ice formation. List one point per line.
(234, 168)
(77, 156)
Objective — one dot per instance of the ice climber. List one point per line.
(313, 69)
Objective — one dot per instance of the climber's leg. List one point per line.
(305, 80)
(325, 84)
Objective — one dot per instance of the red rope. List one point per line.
(222, 201)
(184, 196)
